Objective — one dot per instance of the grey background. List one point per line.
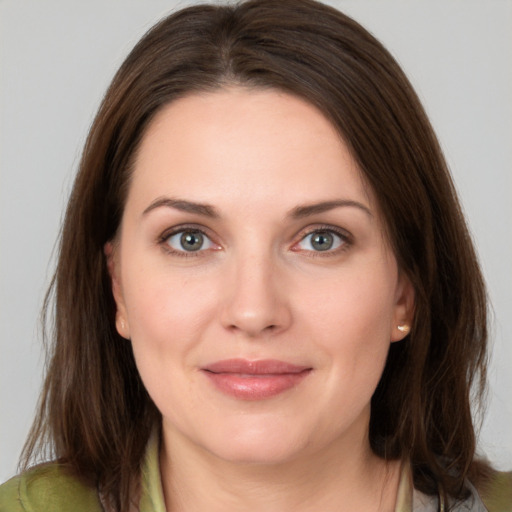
(57, 58)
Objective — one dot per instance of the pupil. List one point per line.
(322, 241)
(191, 241)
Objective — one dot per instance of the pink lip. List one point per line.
(254, 380)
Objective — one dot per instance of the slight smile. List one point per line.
(255, 380)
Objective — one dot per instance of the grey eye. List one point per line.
(189, 241)
(321, 240)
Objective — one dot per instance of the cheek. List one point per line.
(351, 318)
(166, 306)
(167, 316)
(354, 305)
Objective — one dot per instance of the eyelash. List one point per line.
(345, 238)
(164, 238)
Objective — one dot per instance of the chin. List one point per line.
(264, 454)
(266, 445)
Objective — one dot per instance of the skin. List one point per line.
(258, 289)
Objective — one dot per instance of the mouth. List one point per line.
(254, 380)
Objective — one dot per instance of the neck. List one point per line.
(334, 479)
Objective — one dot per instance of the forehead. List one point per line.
(246, 142)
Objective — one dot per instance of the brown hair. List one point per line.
(95, 412)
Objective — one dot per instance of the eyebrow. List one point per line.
(203, 209)
(300, 212)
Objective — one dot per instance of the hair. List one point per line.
(94, 412)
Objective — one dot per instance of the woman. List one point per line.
(266, 295)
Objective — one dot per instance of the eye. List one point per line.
(189, 240)
(321, 240)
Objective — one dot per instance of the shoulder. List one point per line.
(496, 492)
(47, 487)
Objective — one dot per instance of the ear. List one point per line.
(111, 254)
(404, 309)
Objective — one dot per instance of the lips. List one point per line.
(254, 380)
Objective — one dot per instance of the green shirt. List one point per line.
(50, 488)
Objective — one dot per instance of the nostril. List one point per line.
(254, 331)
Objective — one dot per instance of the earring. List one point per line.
(404, 328)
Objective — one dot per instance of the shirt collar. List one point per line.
(408, 498)
(152, 495)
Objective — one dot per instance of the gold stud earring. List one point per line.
(404, 328)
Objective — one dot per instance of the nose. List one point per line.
(255, 301)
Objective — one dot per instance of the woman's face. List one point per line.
(254, 279)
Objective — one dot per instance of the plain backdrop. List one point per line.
(56, 60)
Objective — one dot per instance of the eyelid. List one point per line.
(344, 235)
(184, 228)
